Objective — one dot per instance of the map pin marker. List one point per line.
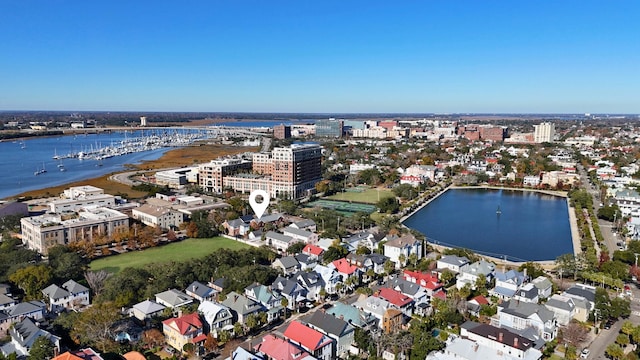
(259, 207)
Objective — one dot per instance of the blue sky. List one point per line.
(321, 56)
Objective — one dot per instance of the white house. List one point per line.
(403, 247)
(452, 263)
(470, 273)
(520, 315)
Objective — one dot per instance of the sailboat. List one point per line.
(498, 211)
(40, 171)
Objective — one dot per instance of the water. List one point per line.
(20, 159)
(530, 226)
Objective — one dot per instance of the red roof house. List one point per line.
(280, 349)
(426, 280)
(311, 249)
(310, 339)
(344, 267)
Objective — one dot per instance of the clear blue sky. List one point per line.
(321, 56)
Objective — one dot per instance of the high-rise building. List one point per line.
(329, 128)
(544, 132)
(282, 131)
(143, 121)
(211, 175)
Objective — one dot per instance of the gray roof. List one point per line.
(404, 286)
(288, 262)
(279, 237)
(269, 218)
(55, 292)
(377, 258)
(74, 288)
(479, 267)
(6, 300)
(525, 310)
(305, 223)
(560, 302)
(582, 292)
(23, 308)
(241, 304)
(297, 232)
(329, 324)
(454, 260)
(174, 297)
(285, 286)
(528, 293)
(26, 332)
(148, 307)
(235, 223)
(200, 289)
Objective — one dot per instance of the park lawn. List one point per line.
(369, 196)
(177, 251)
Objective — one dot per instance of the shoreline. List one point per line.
(573, 224)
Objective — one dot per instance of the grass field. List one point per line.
(369, 196)
(179, 251)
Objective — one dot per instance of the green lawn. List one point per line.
(178, 251)
(369, 196)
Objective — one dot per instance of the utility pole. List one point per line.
(636, 254)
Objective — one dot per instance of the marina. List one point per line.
(29, 164)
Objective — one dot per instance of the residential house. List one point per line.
(519, 315)
(287, 264)
(428, 281)
(241, 353)
(407, 288)
(127, 330)
(200, 291)
(544, 286)
(316, 343)
(236, 227)
(475, 305)
(399, 300)
(69, 296)
(218, 284)
(23, 334)
(306, 262)
(367, 239)
(472, 273)
(401, 248)
(351, 314)
(563, 307)
(279, 242)
(32, 309)
(241, 306)
(347, 271)
(6, 301)
(452, 263)
(392, 321)
(465, 349)
(305, 224)
(312, 282)
(337, 329)
(376, 262)
(275, 219)
(583, 291)
(500, 339)
(300, 235)
(217, 316)
(507, 283)
(290, 290)
(82, 354)
(527, 293)
(274, 348)
(173, 298)
(330, 277)
(313, 251)
(271, 300)
(183, 330)
(146, 310)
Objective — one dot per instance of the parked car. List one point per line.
(608, 324)
(585, 353)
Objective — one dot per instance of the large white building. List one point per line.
(78, 197)
(42, 232)
(544, 132)
(158, 217)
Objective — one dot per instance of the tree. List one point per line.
(575, 333)
(210, 344)
(389, 205)
(153, 338)
(533, 269)
(95, 326)
(296, 248)
(389, 267)
(614, 351)
(42, 349)
(96, 280)
(238, 329)
(446, 276)
(32, 279)
(66, 264)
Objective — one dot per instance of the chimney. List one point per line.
(500, 336)
(515, 342)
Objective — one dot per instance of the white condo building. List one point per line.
(544, 132)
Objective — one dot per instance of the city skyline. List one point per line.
(329, 57)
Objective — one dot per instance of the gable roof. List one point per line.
(297, 232)
(309, 338)
(350, 314)
(280, 237)
(184, 324)
(313, 250)
(287, 262)
(241, 304)
(343, 266)
(200, 289)
(423, 279)
(525, 310)
(304, 223)
(280, 349)
(26, 332)
(454, 260)
(329, 324)
(148, 307)
(73, 287)
(55, 292)
(394, 297)
(403, 241)
(174, 297)
(500, 335)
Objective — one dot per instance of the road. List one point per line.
(605, 226)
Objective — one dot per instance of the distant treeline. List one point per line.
(16, 135)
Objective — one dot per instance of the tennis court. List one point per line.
(343, 206)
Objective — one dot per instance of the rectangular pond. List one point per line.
(518, 225)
